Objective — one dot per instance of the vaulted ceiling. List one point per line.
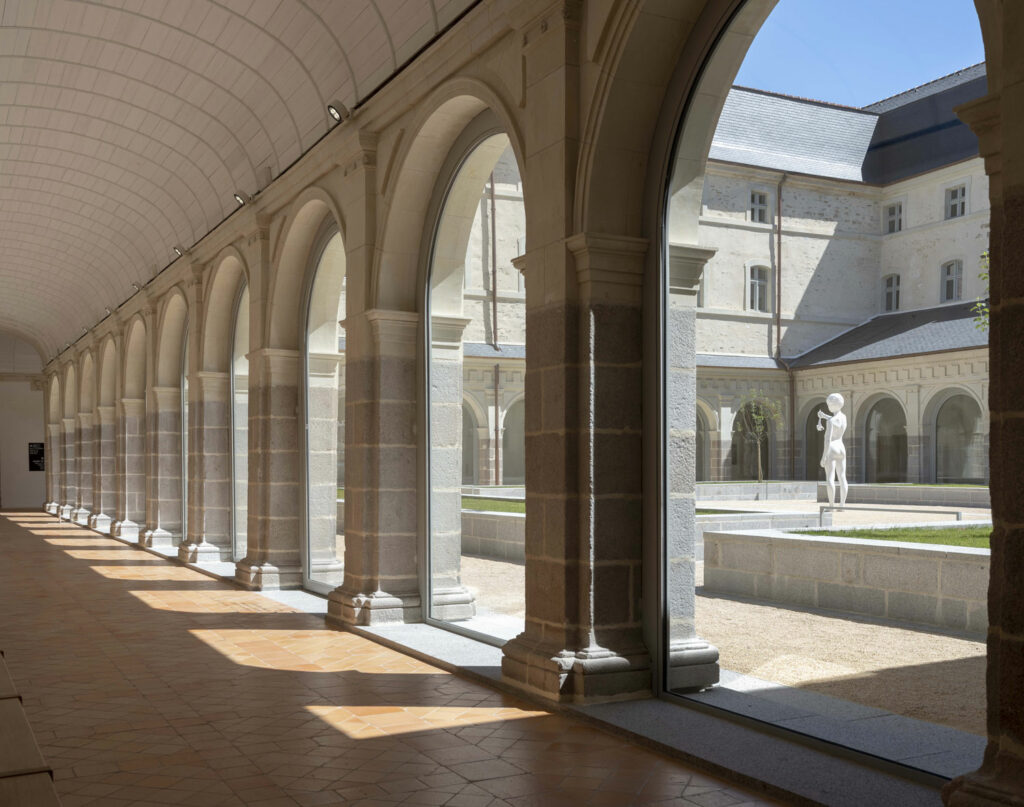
(126, 127)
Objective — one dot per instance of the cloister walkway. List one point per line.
(148, 683)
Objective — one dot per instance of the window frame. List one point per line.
(766, 207)
(958, 280)
(962, 186)
(900, 221)
(748, 287)
(890, 292)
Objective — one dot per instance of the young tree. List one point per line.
(980, 307)
(754, 419)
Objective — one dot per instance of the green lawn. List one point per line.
(976, 537)
(494, 505)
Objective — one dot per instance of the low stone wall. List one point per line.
(498, 536)
(755, 491)
(918, 583)
(726, 522)
(913, 494)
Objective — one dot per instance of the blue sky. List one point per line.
(856, 52)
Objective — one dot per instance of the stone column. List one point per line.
(104, 469)
(164, 504)
(240, 477)
(322, 467)
(1000, 779)
(450, 600)
(273, 558)
(85, 448)
(69, 471)
(53, 467)
(209, 474)
(131, 469)
(382, 581)
(584, 525)
(692, 662)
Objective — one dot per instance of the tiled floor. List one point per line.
(150, 684)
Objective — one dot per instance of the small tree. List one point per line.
(980, 307)
(757, 413)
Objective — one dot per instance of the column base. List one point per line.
(692, 665)
(51, 508)
(101, 523)
(125, 529)
(81, 516)
(452, 604)
(65, 512)
(203, 551)
(267, 576)
(980, 789)
(379, 608)
(583, 676)
(160, 539)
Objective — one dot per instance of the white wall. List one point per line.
(21, 423)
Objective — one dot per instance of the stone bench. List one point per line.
(25, 778)
(923, 584)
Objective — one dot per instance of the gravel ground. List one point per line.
(930, 676)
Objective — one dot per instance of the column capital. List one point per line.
(686, 266)
(446, 332)
(984, 117)
(609, 267)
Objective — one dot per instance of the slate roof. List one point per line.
(895, 138)
(792, 134)
(927, 330)
(971, 73)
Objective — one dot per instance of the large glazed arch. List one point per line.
(228, 277)
(417, 189)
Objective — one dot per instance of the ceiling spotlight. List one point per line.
(240, 199)
(179, 251)
(136, 286)
(109, 312)
(338, 111)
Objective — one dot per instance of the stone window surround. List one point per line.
(957, 264)
(892, 278)
(769, 286)
(964, 185)
(768, 208)
(900, 202)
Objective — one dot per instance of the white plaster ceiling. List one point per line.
(126, 126)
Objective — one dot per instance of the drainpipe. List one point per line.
(494, 333)
(778, 327)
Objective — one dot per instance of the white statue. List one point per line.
(833, 457)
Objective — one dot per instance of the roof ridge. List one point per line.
(817, 101)
(868, 107)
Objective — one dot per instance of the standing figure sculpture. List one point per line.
(833, 457)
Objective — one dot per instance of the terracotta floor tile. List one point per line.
(150, 684)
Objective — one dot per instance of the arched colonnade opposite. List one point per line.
(563, 80)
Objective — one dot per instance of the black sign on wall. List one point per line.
(36, 457)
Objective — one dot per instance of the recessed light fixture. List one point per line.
(109, 312)
(179, 251)
(338, 111)
(240, 199)
(136, 286)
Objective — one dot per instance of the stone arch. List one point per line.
(134, 373)
(230, 274)
(745, 451)
(882, 422)
(294, 265)
(813, 440)
(69, 389)
(513, 443)
(402, 265)
(106, 390)
(54, 399)
(171, 331)
(663, 64)
(955, 427)
(87, 383)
